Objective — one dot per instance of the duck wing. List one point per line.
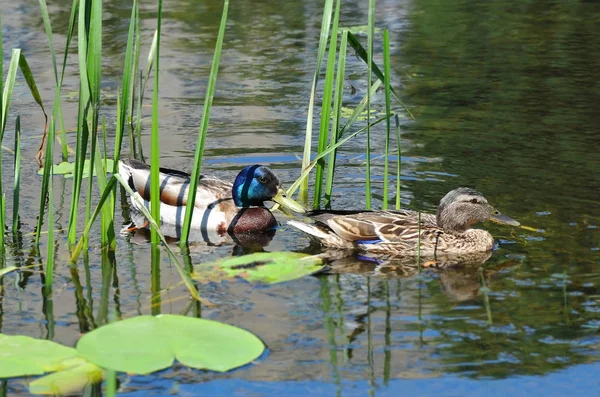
(362, 225)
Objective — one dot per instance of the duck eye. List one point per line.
(262, 179)
(474, 201)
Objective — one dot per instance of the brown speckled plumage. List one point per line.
(399, 232)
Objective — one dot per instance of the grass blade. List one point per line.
(370, 33)
(398, 161)
(210, 93)
(17, 177)
(327, 13)
(6, 99)
(9, 86)
(337, 110)
(154, 146)
(26, 71)
(126, 86)
(82, 117)
(386, 68)
(326, 105)
(48, 176)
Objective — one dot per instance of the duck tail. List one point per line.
(327, 237)
(126, 169)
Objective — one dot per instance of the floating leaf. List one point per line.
(146, 344)
(265, 267)
(67, 169)
(68, 381)
(22, 355)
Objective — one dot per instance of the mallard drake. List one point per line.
(220, 207)
(399, 232)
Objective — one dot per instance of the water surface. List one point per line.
(505, 97)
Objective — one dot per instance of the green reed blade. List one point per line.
(386, 68)
(151, 59)
(370, 33)
(398, 161)
(48, 176)
(1, 69)
(48, 28)
(133, 78)
(337, 110)
(126, 85)
(9, 86)
(359, 109)
(325, 23)
(7, 93)
(107, 221)
(71, 28)
(112, 182)
(326, 105)
(292, 189)
(138, 125)
(17, 176)
(56, 106)
(362, 54)
(26, 71)
(210, 93)
(82, 116)
(155, 142)
(94, 54)
(94, 71)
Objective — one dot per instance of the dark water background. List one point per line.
(506, 99)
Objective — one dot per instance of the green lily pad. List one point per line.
(146, 344)
(263, 267)
(22, 355)
(69, 380)
(67, 169)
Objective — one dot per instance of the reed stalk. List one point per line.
(154, 146)
(325, 24)
(208, 100)
(326, 106)
(337, 110)
(388, 113)
(370, 33)
(17, 177)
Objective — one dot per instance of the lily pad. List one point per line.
(22, 355)
(146, 344)
(260, 267)
(67, 169)
(69, 380)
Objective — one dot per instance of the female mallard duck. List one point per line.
(399, 232)
(220, 207)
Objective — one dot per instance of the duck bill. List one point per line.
(503, 219)
(286, 202)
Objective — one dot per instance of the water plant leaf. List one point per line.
(22, 355)
(197, 343)
(68, 169)
(260, 267)
(68, 381)
(7, 270)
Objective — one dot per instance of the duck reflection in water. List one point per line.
(460, 276)
(203, 241)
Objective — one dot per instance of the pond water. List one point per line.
(505, 97)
